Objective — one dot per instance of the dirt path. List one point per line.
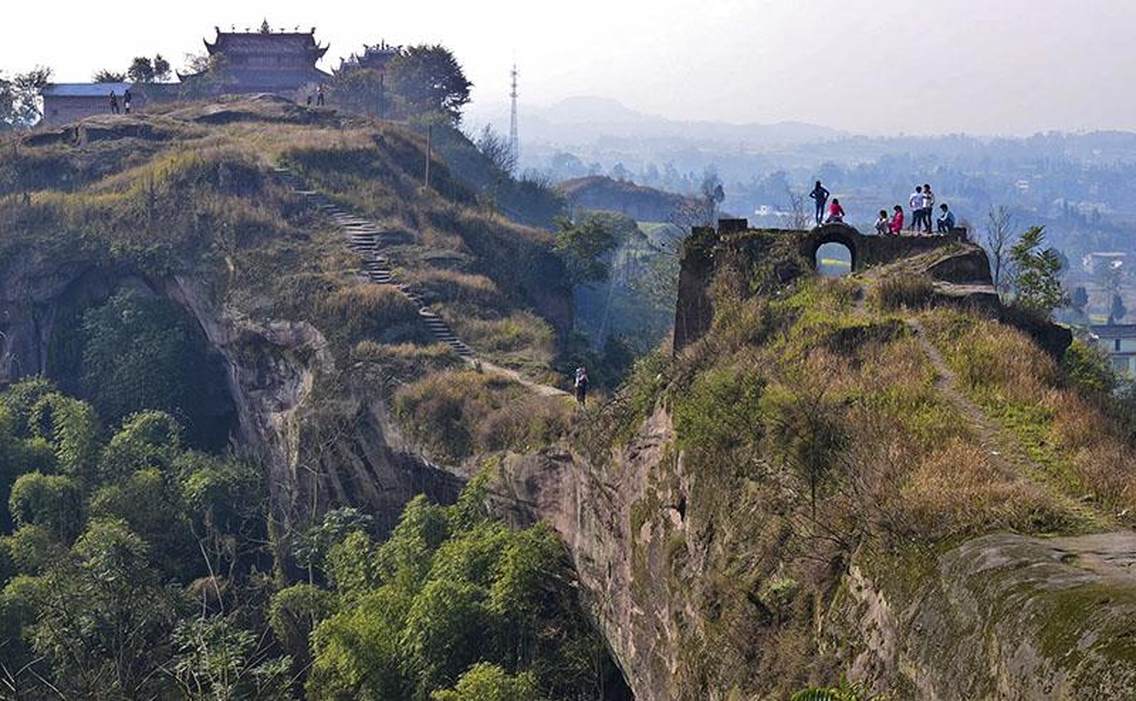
(1007, 453)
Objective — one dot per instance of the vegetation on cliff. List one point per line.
(822, 424)
(134, 566)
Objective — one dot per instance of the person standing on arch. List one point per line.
(820, 196)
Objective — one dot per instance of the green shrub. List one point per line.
(54, 502)
(1087, 367)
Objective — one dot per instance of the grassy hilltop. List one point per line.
(188, 191)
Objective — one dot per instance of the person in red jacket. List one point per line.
(897, 221)
(835, 212)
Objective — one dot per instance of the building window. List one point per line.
(1120, 364)
(1117, 344)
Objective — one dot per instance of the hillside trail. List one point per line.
(366, 238)
(1006, 451)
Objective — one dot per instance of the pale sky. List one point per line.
(874, 66)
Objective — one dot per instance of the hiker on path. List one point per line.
(946, 219)
(915, 202)
(820, 195)
(835, 212)
(897, 221)
(126, 101)
(883, 224)
(581, 385)
(319, 96)
(928, 207)
(113, 103)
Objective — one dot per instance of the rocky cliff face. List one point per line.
(997, 617)
(320, 447)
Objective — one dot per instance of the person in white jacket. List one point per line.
(915, 202)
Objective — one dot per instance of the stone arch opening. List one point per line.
(836, 242)
(833, 259)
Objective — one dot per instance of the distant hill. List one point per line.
(636, 201)
(589, 119)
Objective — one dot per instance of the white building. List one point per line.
(1119, 341)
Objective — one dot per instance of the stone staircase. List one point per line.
(367, 239)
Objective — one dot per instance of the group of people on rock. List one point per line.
(921, 202)
(114, 109)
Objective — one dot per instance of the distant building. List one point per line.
(1099, 261)
(68, 102)
(264, 61)
(375, 56)
(1119, 342)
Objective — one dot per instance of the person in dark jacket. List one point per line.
(946, 219)
(113, 103)
(820, 196)
(581, 385)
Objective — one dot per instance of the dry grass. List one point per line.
(446, 285)
(520, 339)
(957, 489)
(1080, 447)
(458, 414)
(366, 311)
(902, 291)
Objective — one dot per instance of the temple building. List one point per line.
(374, 56)
(266, 62)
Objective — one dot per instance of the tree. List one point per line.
(217, 660)
(428, 79)
(582, 246)
(1036, 274)
(162, 69)
(101, 617)
(497, 150)
(1117, 310)
(108, 76)
(20, 106)
(142, 353)
(798, 214)
(141, 70)
(712, 193)
(360, 89)
(488, 682)
(999, 234)
(807, 434)
(53, 502)
(1079, 299)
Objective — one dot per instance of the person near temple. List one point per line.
(319, 96)
(113, 102)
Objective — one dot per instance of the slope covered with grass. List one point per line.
(826, 451)
(188, 192)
